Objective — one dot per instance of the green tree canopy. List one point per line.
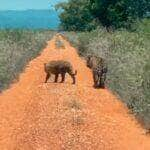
(119, 13)
(76, 15)
(84, 15)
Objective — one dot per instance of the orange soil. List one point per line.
(54, 116)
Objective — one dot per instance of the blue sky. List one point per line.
(27, 4)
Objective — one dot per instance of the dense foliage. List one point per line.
(119, 13)
(85, 15)
(76, 15)
(128, 57)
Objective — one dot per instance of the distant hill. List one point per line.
(29, 19)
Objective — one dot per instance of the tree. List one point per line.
(76, 15)
(118, 13)
(84, 15)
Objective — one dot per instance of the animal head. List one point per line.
(92, 61)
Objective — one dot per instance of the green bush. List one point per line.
(72, 37)
(18, 47)
(128, 57)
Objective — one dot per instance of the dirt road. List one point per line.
(56, 116)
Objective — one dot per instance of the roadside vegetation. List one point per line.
(17, 48)
(128, 57)
(119, 31)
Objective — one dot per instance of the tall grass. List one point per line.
(18, 47)
(128, 57)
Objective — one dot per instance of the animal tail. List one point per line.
(75, 72)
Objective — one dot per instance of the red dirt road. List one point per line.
(56, 116)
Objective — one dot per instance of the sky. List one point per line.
(27, 4)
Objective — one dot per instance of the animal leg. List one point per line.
(73, 76)
(56, 77)
(102, 81)
(99, 82)
(95, 78)
(47, 77)
(63, 77)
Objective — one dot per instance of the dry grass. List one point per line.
(74, 104)
(17, 48)
(128, 57)
(59, 44)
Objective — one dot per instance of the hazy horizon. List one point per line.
(29, 19)
(29, 14)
